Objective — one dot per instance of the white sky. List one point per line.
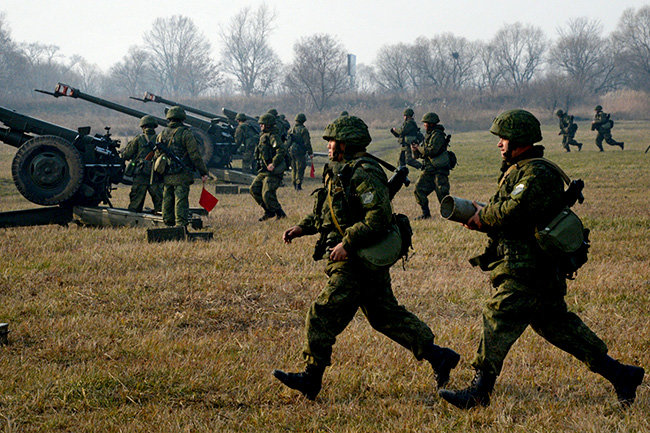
(103, 30)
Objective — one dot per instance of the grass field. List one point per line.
(110, 333)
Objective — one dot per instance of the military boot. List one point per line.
(279, 214)
(443, 360)
(621, 144)
(267, 215)
(426, 214)
(477, 393)
(308, 382)
(579, 146)
(625, 378)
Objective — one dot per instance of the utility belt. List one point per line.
(497, 251)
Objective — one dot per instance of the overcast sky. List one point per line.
(103, 30)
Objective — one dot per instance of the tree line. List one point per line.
(518, 63)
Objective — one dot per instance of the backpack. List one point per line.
(453, 159)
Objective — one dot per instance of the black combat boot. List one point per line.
(279, 214)
(426, 214)
(308, 382)
(621, 144)
(443, 360)
(477, 393)
(267, 215)
(625, 378)
(298, 187)
(579, 146)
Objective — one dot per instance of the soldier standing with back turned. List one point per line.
(177, 177)
(530, 287)
(351, 211)
(246, 137)
(567, 130)
(406, 135)
(299, 144)
(138, 151)
(602, 124)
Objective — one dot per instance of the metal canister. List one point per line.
(457, 209)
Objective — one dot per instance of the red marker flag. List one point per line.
(312, 172)
(207, 200)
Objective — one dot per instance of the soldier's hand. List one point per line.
(291, 233)
(474, 223)
(205, 177)
(270, 167)
(338, 253)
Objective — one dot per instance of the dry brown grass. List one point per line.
(109, 333)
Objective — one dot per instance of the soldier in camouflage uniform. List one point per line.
(530, 289)
(351, 211)
(177, 177)
(138, 151)
(270, 155)
(603, 126)
(436, 164)
(299, 145)
(246, 137)
(567, 130)
(407, 135)
(282, 126)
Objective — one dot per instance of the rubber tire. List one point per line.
(54, 150)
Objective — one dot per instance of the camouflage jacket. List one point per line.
(528, 198)
(136, 151)
(358, 193)
(182, 143)
(271, 149)
(434, 150)
(567, 125)
(601, 121)
(298, 140)
(246, 137)
(407, 133)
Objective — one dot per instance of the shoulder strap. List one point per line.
(523, 162)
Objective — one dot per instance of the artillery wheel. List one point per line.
(205, 144)
(47, 170)
(222, 157)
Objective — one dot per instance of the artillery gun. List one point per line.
(215, 140)
(231, 117)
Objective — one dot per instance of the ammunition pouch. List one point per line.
(161, 165)
(391, 247)
(130, 170)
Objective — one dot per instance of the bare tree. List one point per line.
(392, 68)
(132, 74)
(632, 40)
(12, 62)
(247, 54)
(366, 78)
(518, 52)
(318, 70)
(489, 74)
(180, 56)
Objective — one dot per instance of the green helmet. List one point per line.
(267, 119)
(349, 130)
(176, 113)
(559, 113)
(301, 118)
(598, 108)
(240, 117)
(273, 111)
(343, 113)
(148, 122)
(430, 118)
(409, 112)
(518, 126)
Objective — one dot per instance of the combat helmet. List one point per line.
(343, 113)
(409, 112)
(518, 126)
(273, 111)
(301, 118)
(175, 113)
(148, 122)
(598, 108)
(559, 113)
(241, 117)
(349, 130)
(430, 118)
(267, 119)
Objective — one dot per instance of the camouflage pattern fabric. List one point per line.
(176, 205)
(138, 194)
(270, 149)
(529, 289)
(136, 151)
(603, 127)
(568, 131)
(246, 137)
(435, 176)
(364, 215)
(299, 146)
(407, 134)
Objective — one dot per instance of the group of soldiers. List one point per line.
(602, 124)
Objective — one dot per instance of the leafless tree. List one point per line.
(13, 63)
(518, 53)
(489, 74)
(632, 41)
(132, 74)
(247, 54)
(392, 68)
(366, 78)
(318, 70)
(180, 55)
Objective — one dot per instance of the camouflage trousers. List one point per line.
(568, 140)
(298, 166)
(263, 189)
(350, 287)
(176, 204)
(406, 157)
(428, 182)
(248, 162)
(513, 307)
(605, 134)
(139, 193)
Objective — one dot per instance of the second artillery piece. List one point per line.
(214, 137)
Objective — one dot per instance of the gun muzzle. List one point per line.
(457, 209)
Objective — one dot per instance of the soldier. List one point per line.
(407, 135)
(140, 152)
(343, 113)
(177, 165)
(299, 145)
(279, 125)
(567, 130)
(530, 289)
(603, 125)
(351, 210)
(246, 137)
(436, 164)
(271, 163)
(285, 125)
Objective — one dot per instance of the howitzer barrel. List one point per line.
(231, 115)
(457, 209)
(159, 99)
(21, 125)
